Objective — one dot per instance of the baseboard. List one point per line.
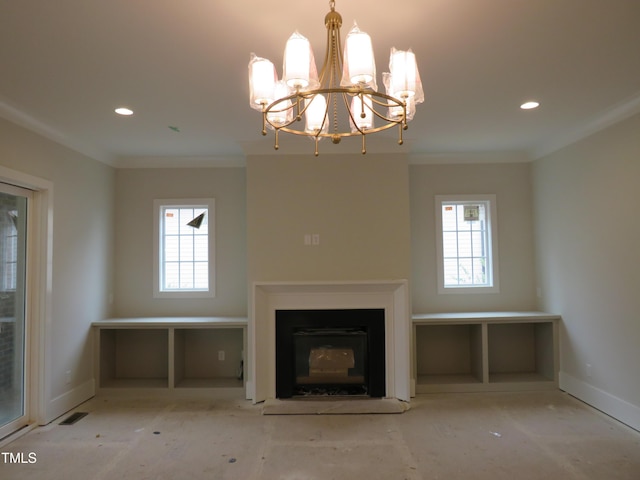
(621, 410)
(69, 400)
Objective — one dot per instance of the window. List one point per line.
(466, 243)
(184, 248)
(8, 250)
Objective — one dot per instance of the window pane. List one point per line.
(171, 276)
(186, 275)
(201, 275)
(464, 244)
(482, 218)
(462, 224)
(171, 249)
(186, 248)
(448, 217)
(449, 244)
(478, 244)
(186, 215)
(171, 221)
(465, 274)
(479, 271)
(204, 226)
(451, 272)
(201, 248)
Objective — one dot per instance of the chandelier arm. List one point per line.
(296, 100)
(350, 112)
(325, 119)
(298, 115)
(298, 97)
(341, 134)
(264, 119)
(393, 121)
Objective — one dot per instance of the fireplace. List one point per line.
(388, 296)
(330, 352)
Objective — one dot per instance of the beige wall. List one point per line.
(82, 256)
(359, 206)
(511, 183)
(587, 232)
(375, 218)
(136, 190)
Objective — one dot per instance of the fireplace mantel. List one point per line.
(267, 297)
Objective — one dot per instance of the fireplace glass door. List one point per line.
(330, 352)
(330, 361)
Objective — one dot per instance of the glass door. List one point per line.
(13, 326)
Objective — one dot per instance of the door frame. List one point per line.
(39, 282)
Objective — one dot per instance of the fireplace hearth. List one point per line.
(330, 352)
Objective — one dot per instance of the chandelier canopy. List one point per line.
(343, 101)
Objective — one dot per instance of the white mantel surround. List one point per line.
(268, 297)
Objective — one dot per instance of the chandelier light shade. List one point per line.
(262, 81)
(299, 63)
(284, 114)
(359, 64)
(343, 100)
(405, 79)
(316, 121)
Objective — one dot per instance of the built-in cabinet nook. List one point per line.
(347, 351)
(170, 353)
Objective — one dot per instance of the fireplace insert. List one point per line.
(330, 352)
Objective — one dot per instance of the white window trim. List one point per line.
(493, 240)
(157, 205)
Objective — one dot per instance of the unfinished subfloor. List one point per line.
(493, 436)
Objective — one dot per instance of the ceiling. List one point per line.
(183, 64)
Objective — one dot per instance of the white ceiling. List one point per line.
(66, 64)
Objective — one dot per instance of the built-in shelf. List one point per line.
(171, 352)
(485, 351)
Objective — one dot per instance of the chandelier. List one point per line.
(343, 101)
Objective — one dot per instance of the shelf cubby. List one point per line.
(520, 352)
(134, 357)
(170, 353)
(197, 357)
(449, 354)
(485, 351)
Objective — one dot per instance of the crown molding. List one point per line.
(610, 116)
(451, 158)
(19, 117)
(223, 161)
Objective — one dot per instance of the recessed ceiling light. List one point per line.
(529, 105)
(124, 111)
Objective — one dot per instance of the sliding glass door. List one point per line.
(14, 203)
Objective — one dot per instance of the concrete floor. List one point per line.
(541, 435)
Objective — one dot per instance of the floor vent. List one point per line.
(73, 418)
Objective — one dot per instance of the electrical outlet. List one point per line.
(221, 355)
(589, 370)
(68, 377)
(315, 239)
